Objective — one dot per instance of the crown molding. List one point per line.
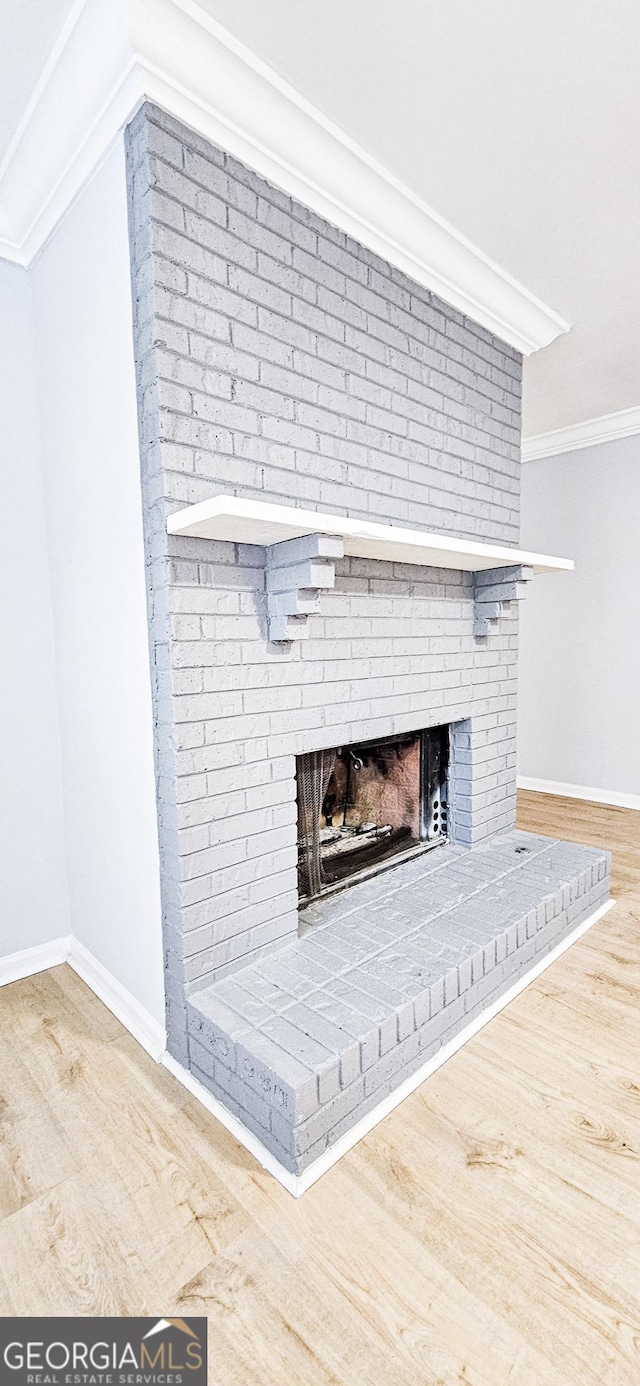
(112, 54)
(86, 93)
(604, 429)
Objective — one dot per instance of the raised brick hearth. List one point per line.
(302, 1047)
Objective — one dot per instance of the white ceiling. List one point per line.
(516, 120)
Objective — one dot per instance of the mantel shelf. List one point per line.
(242, 521)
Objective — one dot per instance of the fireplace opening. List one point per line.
(360, 807)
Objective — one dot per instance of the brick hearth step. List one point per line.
(302, 1044)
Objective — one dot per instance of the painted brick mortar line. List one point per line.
(275, 245)
(367, 957)
(156, 554)
(448, 345)
(477, 891)
(202, 175)
(345, 1105)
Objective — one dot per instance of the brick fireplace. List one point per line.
(335, 734)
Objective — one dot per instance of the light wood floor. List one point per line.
(487, 1232)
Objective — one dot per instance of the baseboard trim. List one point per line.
(615, 798)
(31, 960)
(138, 1021)
(135, 1018)
(291, 1182)
(297, 1184)
(151, 1035)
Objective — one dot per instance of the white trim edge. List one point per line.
(291, 1182)
(297, 1184)
(616, 798)
(126, 1008)
(246, 521)
(109, 57)
(138, 1021)
(590, 432)
(31, 960)
(151, 1035)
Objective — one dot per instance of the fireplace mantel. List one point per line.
(302, 545)
(243, 521)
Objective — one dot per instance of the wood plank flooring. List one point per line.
(487, 1232)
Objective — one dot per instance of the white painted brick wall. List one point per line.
(277, 358)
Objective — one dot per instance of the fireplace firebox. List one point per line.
(361, 807)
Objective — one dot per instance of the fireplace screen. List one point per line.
(360, 806)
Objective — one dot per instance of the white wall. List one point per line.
(33, 891)
(580, 632)
(82, 321)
